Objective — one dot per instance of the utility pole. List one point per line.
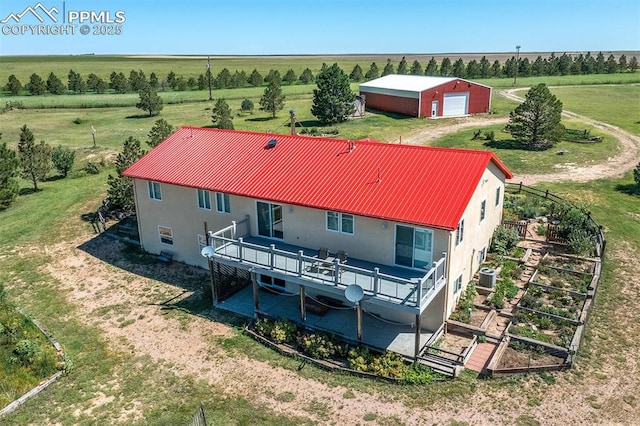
(209, 77)
(515, 78)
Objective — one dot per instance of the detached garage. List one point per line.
(424, 96)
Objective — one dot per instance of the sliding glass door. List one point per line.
(270, 220)
(414, 247)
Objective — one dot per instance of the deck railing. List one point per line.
(412, 292)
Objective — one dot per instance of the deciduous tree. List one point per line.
(333, 99)
(535, 123)
(35, 159)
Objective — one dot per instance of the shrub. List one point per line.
(91, 168)
(581, 243)
(496, 300)
(388, 364)
(490, 135)
(284, 331)
(263, 327)
(418, 374)
(462, 313)
(320, 345)
(247, 105)
(26, 351)
(504, 240)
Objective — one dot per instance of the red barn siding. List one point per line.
(479, 97)
(391, 103)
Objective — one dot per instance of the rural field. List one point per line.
(145, 346)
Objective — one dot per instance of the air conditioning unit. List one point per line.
(487, 278)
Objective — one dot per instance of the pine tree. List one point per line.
(63, 159)
(221, 115)
(159, 132)
(388, 68)
(307, 76)
(35, 159)
(55, 86)
(150, 101)
(432, 67)
(13, 85)
(36, 85)
(289, 76)
(120, 190)
(356, 73)
(535, 123)
(272, 100)
(402, 66)
(372, 72)
(9, 171)
(416, 68)
(333, 99)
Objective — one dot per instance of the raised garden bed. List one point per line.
(553, 301)
(519, 355)
(562, 278)
(543, 328)
(569, 263)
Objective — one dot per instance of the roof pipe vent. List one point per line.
(272, 143)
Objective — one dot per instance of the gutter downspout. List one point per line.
(446, 285)
(138, 216)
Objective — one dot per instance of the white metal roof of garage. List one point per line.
(408, 83)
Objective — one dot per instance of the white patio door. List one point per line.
(414, 247)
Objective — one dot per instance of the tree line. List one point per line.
(564, 64)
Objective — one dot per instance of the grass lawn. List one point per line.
(124, 381)
(535, 162)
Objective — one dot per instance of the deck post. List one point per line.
(256, 298)
(376, 281)
(359, 310)
(303, 307)
(272, 256)
(240, 250)
(336, 272)
(300, 262)
(417, 344)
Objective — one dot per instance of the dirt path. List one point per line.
(615, 166)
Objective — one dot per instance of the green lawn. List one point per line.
(54, 216)
(535, 162)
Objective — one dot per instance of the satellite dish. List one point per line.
(354, 293)
(208, 252)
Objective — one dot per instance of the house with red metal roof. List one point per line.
(309, 228)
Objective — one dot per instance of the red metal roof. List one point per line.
(413, 184)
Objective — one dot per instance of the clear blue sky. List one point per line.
(249, 27)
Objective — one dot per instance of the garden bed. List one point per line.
(543, 328)
(562, 278)
(569, 263)
(554, 301)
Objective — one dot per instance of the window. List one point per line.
(270, 281)
(460, 232)
(483, 209)
(204, 199)
(482, 255)
(346, 223)
(166, 235)
(202, 242)
(155, 192)
(340, 222)
(497, 196)
(333, 222)
(222, 203)
(457, 284)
